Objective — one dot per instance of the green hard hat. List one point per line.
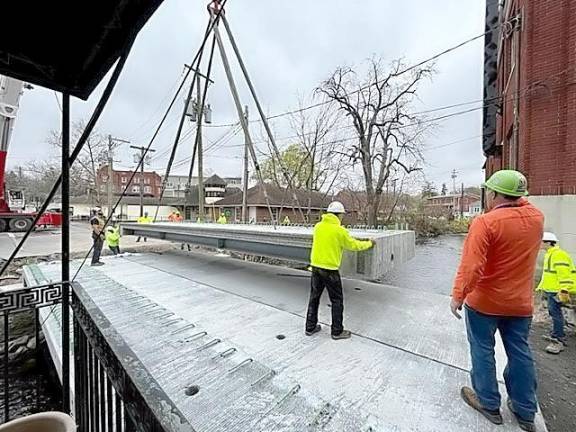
(508, 182)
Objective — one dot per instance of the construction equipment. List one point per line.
(14, 219)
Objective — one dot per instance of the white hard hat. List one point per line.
(549, 237)
(336, 207)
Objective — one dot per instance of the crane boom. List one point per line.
(10, 92)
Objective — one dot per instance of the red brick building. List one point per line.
(151, 182)
(530, 108)
(452, 205)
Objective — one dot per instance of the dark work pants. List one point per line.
(115, 249)
(329, 279)
(98, 243)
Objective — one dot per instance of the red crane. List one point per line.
(14, 219)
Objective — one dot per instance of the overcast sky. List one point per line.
(289, 46)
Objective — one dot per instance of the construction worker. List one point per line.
(97, 226)
(558, 283)
(329, 241)
(172, 216)
(286, 221)
(494, 283)
(144, 220)
(113, 239)
(177, 216)
(222, 219)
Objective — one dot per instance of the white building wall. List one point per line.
(560, 213)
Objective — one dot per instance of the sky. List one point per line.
(289, 47)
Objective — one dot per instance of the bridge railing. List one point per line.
(107, 390)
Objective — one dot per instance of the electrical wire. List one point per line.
(162, 121)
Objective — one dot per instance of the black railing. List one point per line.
(19, 304)
(107, 397)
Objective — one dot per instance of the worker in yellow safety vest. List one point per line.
(329, 241)
(286, 221)
(144, 220)
(222, 219)
(558, 283)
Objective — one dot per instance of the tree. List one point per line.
(444, 189)
(428, 190)
(387, 134)
(295, 161)
(94, 154)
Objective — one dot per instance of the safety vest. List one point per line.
(144, 220)
(559, 272)
(113, 236)
(222, 220)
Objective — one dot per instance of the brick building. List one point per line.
(530, 107)
(151, 182)
(452, 205)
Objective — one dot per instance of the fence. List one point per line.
(106, 396)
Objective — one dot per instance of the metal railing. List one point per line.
(14, 303)
(106, 397)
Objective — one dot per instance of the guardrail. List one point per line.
(106, 396)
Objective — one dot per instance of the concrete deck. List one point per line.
(401, 371)
(392, 248)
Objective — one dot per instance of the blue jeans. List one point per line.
(520, 373)
(555, 311)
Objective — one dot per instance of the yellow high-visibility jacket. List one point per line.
(559, 272)
(113, 236)
(222, 220)
(329, 242)
(145, 219)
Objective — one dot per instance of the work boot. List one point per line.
(471, 399)
(316, 330)
(346, 334)
(555, 347)
(525, 425)
(97, 264)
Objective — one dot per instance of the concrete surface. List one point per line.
(401, 371)
(47, 242)
(391, 250)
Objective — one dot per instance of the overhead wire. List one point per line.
(147, 149)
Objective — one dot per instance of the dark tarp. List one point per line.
(68, 46)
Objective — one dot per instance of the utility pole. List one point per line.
(462, 202)
(199, 110)
(246, 174)
(110, 183)
(201, 197)
(454, 177)
(142, 162)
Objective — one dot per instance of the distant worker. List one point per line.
(558, 283)
(286, 221)
(178, 217)
(172, 217)
(494, 283)
(144, 220)
(329, 242)
(97, 226)
(113, 239)
(222, 219)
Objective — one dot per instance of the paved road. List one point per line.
(47, 242)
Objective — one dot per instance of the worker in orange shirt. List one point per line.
(494, 283)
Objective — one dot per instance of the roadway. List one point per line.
(47, 242)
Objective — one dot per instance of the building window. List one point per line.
(135, 189)
(147, 189)
(124, 180)
(146, 180)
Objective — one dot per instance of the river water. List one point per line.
(433, 268)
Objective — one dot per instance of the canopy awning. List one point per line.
(68, 46)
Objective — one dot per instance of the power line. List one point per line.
(402, 72)
(211, 25)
